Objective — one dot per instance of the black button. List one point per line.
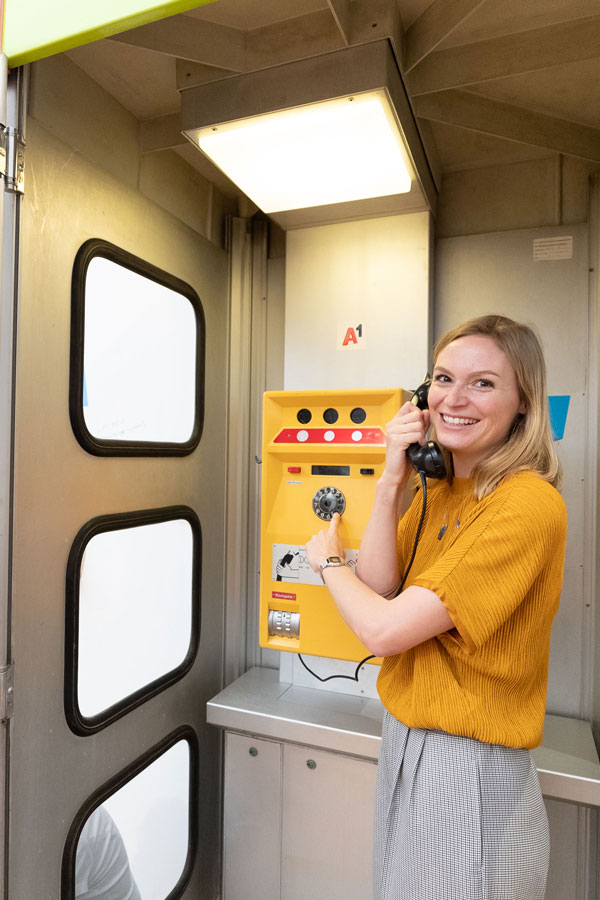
(358, 415)
(304, 416)
(330, 415)
(367, 471)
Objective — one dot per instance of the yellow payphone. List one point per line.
(323, 452)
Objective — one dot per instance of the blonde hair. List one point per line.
(529, 445)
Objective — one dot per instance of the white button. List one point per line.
(329, 435)
(302, 435)
(357, 435)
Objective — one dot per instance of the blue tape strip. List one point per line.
(559, 407)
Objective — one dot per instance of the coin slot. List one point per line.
(330, 470)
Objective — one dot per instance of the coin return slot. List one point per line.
(284, 624)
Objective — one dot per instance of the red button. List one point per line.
(294, 469)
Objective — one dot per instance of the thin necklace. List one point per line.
(444, 527)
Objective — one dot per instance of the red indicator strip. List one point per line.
(330, 436)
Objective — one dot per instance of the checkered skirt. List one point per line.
(457, 819)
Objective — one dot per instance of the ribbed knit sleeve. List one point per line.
(502, 548)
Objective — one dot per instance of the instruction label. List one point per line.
(290, 564)
(553, 248)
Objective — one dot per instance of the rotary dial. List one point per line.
(327, 501)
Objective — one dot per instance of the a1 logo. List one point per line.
(352, 336)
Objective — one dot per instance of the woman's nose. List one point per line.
(457, 394)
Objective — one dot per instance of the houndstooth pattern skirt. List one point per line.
(457, 819)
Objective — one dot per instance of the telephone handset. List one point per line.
(425, 458)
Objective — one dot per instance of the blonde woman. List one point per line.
(459, 812)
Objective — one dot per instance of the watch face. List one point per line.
(335, 559)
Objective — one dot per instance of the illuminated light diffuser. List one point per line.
(333, 151)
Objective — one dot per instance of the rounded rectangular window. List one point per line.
(132, 611)
(136, 837)
(137, 356)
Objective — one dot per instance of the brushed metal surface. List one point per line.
(252, 818)
(327, 833)
(258, 703)
(58, 487)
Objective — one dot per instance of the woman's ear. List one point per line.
(523, 408)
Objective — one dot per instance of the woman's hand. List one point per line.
(409, 426)
(325, 543)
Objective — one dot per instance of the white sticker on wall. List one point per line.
(290, 564)
(553, 248)
(351, 335)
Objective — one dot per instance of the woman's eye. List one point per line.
(484, 383)
(444, 379)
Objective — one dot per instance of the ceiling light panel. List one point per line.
(349, 148)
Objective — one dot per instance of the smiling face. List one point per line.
(474, 400)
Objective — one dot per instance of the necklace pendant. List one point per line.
(442, 532)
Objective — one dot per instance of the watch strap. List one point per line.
(335, 561)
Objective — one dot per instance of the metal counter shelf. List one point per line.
(260, 704)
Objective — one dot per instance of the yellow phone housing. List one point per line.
(323, 451)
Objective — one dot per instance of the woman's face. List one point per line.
(473, 400)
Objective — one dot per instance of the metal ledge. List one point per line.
(259, 704)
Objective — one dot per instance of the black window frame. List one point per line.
(87, 725)
(95, 247)
(184, 732)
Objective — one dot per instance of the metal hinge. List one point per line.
(12, 160)
(7, 692)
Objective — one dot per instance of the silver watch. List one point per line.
(331, 561)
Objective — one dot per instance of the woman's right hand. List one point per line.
(409, 426)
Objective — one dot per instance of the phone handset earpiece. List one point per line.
(425, 458)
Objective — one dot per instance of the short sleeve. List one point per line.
(102, 869)
(83, 865)
(506, 543)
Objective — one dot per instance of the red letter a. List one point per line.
(350, 338)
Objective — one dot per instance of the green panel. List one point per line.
(34, 29)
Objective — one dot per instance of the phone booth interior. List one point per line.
(375, 275)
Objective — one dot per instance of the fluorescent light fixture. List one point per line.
(332, 151)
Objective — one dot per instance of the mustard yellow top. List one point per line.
(497, 566)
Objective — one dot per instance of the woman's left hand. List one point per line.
(324, 544)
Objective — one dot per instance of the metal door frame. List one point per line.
(13, 93)
(247, 239)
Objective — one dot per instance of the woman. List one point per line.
(459, 812)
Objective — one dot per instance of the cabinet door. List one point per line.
(252, 818)
(327, 826)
